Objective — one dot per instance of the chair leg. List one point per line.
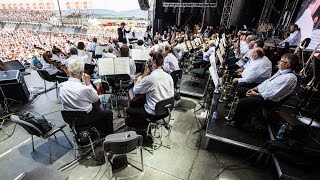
(32, 142)
(56, 89)
(91, 144)
(50, 159)
(45, 86)
(67, 138)
(141, 155)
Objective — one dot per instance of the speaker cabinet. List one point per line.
(13, 86)
(144, 4)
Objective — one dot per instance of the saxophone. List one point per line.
(233, 108)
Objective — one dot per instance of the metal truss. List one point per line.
(286, 14)
(266, 11)
(226, 14)
(194, 5)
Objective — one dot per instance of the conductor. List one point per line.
(122, 33)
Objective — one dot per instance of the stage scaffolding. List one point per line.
(226, 14)
(266, 11)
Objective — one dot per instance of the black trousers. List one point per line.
(137, 117)
(200, 63)
(243, 87)
(246, 106)
(103, 120)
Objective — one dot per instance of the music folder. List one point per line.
(140, 55)
(110, 66)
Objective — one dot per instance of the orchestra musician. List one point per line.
(256, 72)
(157, 86)
(92, 45)
(269, 92)
(294, 38)
(49, 66)
(79, 96)
(170, 61)
(82, 53)
(73, 55)
(206, 54)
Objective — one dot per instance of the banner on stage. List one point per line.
(308, 20)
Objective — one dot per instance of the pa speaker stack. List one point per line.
(144, 4)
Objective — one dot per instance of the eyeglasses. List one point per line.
(283, 61)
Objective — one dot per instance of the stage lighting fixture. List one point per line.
(174, 10)
(191, 11)
(182, 10)
(166, 9)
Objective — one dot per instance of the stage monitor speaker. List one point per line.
(157, 26)
(144, 4)
(13, 86)
(15, 65)
(158, 10)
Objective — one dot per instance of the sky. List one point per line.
(116, 5)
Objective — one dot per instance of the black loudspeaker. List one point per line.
(144, 4)
(15, 65)
(157, 26)
(13, 86)
(158, 10)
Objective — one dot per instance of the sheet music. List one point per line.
(136, 54)
(121, 65)
(141, 55)
(106, 66)
(145, 55)
(99, 49)
(214, 75)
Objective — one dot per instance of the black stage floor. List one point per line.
(220, 131)
(190, 88)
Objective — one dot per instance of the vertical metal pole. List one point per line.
(179, 15)
(60, 12)
(204, 13)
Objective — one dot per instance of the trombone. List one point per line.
(304, 70)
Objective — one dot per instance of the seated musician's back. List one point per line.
(157, 86)
(79, 96)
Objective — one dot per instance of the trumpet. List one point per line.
(233, 108)
(223, 95)
(304, 70)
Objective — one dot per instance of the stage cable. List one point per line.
(242, 162)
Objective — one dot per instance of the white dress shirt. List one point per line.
(247, 56)
(244, 47)
(92, 46)
(108, 55)
(278, 86)
(293, 39)
(75, 96)
(65, 62)
(157, 86)
(257, 71)
(170, 63)
(50, 68)
(84, 56)
(208, 53)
